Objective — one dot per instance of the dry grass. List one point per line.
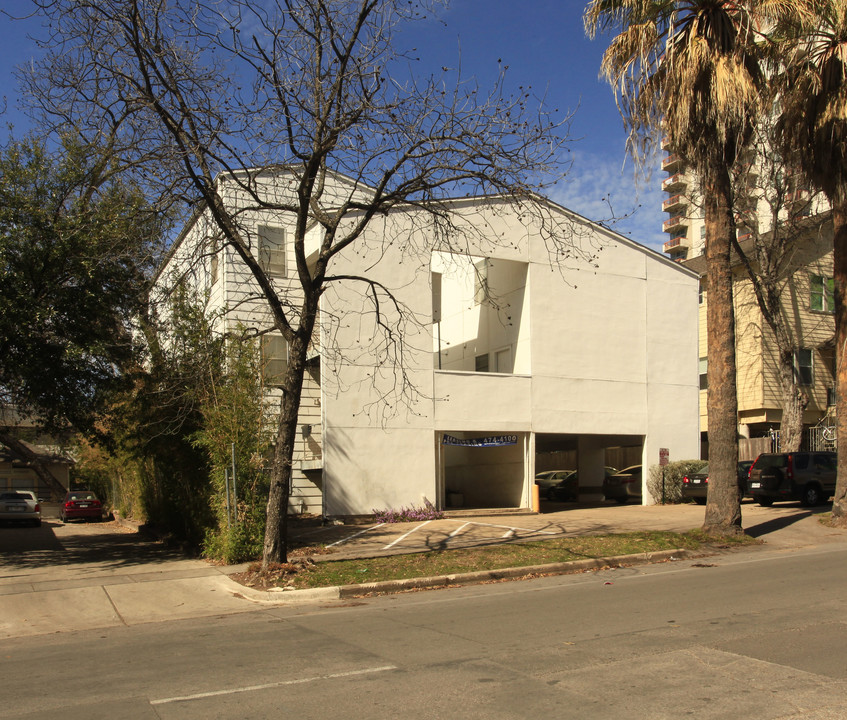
(304, 572)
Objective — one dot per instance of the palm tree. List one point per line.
(691, 69)
(814, 124)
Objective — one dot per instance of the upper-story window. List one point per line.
(804, 367)
(822, 293)
(274, 358)
(272, 249)
(481, 363)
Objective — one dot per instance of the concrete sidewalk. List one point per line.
(66, 578)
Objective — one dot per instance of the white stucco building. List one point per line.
(507, 355)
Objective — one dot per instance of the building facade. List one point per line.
(800, 263)
(506, 353)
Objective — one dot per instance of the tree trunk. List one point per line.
(32, 461)
(723, 507)
(276, 528)
(839, 223)
(794, 402)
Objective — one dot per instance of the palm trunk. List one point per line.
(723, 507)
(839, 222)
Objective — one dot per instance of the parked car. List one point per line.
(547, 479)
(624, 485)
(805, 476)
(20, 506)
(696, 485)
(566, 488)
(81, 505)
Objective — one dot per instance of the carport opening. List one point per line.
(483, 470)
(561, 454)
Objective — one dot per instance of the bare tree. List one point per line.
(777, 230)
(198, 96)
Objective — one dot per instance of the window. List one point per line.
(274, 358)
(804, 366)
(214, 270)
(436, 297)
(701, 295)
(481, 363)
(272, 249)
(704, 377)
(822, 293)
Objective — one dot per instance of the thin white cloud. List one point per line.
(606, 191)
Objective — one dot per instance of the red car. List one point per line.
(81, 505)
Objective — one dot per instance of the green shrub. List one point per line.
(673, 474)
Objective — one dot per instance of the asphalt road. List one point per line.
(755, 634)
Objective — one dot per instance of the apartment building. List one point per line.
(510, 353)
(806, 292)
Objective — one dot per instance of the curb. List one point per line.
(283, 596)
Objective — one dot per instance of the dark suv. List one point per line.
(805, 476)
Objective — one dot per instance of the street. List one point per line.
(753, 634)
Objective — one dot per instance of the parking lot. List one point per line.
(783, 524)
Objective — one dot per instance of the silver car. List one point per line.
(623, 485)
(20, 506)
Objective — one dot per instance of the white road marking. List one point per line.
(404, 536)
(355, 535)
(457, 531)
(527, 530)
(266, 686)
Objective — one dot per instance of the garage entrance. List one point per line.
(482, 470)
(589, 457)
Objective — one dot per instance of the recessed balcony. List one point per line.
(676, 245)
(675, 183)
(675, 204)
(666, 143)
(675, 224)
(672, 163)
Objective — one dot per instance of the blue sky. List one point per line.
(544, 45)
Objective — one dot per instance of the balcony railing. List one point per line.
(676, 245)
(674, 183)
(675, 203)
(674, 224)
(672, 163)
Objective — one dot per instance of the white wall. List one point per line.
(604, 344)
(604, 348)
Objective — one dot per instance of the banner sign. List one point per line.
(491, 441)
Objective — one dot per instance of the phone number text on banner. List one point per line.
(491, 441)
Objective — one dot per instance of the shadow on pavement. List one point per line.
(31, 548)
(779, 523)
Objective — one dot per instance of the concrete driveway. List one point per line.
(785, 525)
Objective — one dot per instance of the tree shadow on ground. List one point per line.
(106, 548)
(778, 523)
